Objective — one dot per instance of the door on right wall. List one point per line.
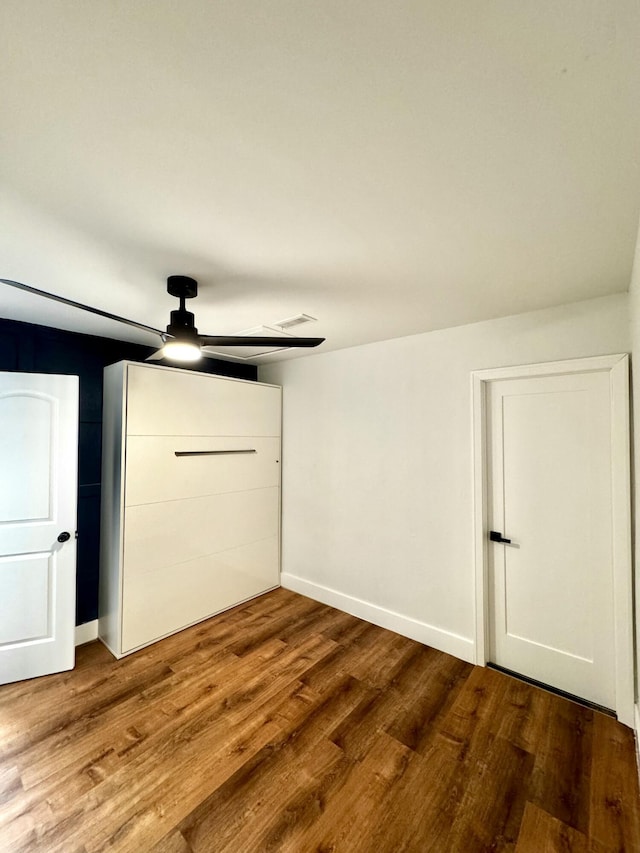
(551, 588)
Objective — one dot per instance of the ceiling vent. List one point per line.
(295, 321)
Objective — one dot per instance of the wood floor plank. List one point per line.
(346, 630)
(84, 734)
(207, 730)
(326, 621)
(614, 817)
(542, 833)
(274, 628)
(380, 710)
(523, 715)
(285, 725)
(562, 775)
(420, 808)
(416, 723)
(336, 813)
(477, 705)
(376, 662)
(492, 806)
(173, 843)
(243, 811)
(239, 812)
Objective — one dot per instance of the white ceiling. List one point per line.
(386, 167)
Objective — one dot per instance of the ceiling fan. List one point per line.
(180, 341)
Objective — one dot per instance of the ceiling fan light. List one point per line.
(181, 351)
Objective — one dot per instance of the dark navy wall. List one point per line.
(39, 349)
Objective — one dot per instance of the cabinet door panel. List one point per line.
(168, 402)
(156, 474)
(174, 532)
(169, 598)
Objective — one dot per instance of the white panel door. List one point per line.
(38, 465)
(551, 589)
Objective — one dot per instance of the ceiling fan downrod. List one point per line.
(182, 323)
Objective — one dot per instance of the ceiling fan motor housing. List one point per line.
(182, 326)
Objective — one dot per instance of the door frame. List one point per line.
(617, 366)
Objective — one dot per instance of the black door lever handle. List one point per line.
(495, 536)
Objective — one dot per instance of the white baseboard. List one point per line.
(87, 632)
(429, 635)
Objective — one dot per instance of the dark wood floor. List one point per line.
(284, 725)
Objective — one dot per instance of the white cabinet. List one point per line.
(190, 499)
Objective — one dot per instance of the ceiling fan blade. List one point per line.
(155, 356)
(250, 341)
(27, 287)
(181, 321)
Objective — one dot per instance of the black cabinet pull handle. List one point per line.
(210, 452)
(496, 536)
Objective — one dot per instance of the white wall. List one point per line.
(377, 479)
